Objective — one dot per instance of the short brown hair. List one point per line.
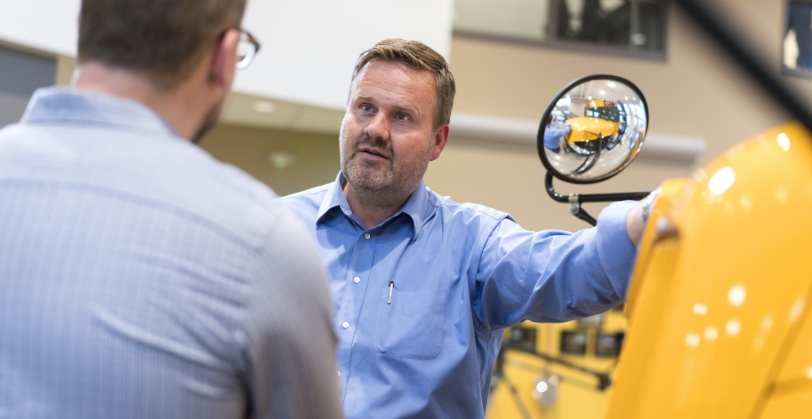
(162, 39)
(420, 57)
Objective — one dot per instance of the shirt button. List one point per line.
(345, 325)
(339, 373)
(366, 236)
(356, 280)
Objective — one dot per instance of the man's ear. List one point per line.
(224, 59)
(440, 139)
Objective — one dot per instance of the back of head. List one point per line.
(161, 39)
(419, 56)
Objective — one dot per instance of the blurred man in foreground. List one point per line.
(140, 278)
(422, 286)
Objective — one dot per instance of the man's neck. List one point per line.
(97, 77)
(370, 214)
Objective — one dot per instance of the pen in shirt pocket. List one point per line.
(391, 287)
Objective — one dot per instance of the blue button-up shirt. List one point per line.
(141, 278)
(421, 299)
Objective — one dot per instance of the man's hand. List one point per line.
(552, 137)
(635, 224)
(638, 216)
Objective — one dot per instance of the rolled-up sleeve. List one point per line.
(553, 276)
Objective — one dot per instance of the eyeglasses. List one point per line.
(247, 48)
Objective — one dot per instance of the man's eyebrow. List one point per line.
(407, 109)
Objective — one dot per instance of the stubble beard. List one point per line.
(209, 120)
(378, 183)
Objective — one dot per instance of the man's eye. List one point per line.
(402, 117)
(366, 108)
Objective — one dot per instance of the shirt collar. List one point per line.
(416, 207)
(60, 105)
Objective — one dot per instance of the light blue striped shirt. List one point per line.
(420, 301)
(140, 278)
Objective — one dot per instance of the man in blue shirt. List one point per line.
(422, 286)
(139, 277)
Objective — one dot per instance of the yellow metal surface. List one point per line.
(798, 363)
(599, 103)
(794, 405)
(669, 191)
(721, 288)
(790, 394)
(586, 128)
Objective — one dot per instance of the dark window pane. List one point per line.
(629, 27)
(22, 74)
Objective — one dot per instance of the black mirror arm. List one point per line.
(581, 213)
(575, 200)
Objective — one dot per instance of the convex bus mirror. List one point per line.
(592, 129)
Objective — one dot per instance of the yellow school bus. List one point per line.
(601, 122)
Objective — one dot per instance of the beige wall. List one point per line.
(316, 155)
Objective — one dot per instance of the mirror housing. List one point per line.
(592, 129)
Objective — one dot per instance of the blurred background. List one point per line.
(509, 59)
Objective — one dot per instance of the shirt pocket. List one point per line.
(411, 326)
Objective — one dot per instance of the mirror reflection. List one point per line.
(593, 130)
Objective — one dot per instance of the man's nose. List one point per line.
(378, 128)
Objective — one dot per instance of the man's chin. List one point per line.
(370, 184)
(370, 180)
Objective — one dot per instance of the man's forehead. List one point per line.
(392, 67)
(393, 74)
